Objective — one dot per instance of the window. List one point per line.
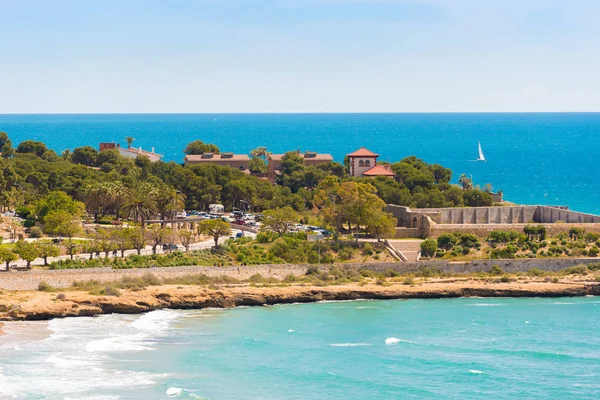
(367, 163)
(361, 163)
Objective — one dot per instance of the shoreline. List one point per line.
(36, 306)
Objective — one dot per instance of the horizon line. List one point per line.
(300, 113)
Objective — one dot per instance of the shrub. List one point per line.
(505, 279)
(44, 286)
(61, 296)
(35, 232)
(496, 270)
(447, 241)
(536, 272)
(429, 247)
(312, 270)
(576, 270)
(409, 281)
(367, 249)
(593, 252)
(594, 266)
(469, 240)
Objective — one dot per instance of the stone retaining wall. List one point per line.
(29, 280)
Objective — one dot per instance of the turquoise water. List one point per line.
(535, 158)
(409, 349)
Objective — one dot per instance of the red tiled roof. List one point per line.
(362, 152)
(379, 170)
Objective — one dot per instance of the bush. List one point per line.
(429, 247)
(447, 241)
(536, 272)
(576, 270)
(35, 232)
(593, 252)
(44, 286)
(312, 270)
(496, 270)
(367, 249)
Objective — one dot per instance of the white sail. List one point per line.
(481, 156)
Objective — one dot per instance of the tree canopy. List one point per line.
(199, 147)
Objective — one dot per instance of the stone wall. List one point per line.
(411, 218)
(482, 230)
(512, 266)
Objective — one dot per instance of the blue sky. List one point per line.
(75, 56)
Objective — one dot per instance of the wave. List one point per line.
(476, 372)
(349, 344)
(486, 305)
(393, 340)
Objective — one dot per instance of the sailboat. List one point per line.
(481, 156)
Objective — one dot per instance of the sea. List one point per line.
(534, 158)
(536, 348)
(404, 349)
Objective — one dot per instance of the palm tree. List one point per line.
(168, 202)
(129, 140)
(141, 203)
(466, 183)
(117, 195)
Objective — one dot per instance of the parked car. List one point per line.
(181, 215)
(170, 247)
(239, 222)
(239, 234)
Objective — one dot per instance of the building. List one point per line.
(309, 157)
(131, 152)
(239, 161)
(363, 162)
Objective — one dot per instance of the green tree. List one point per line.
(258, 160)
(169, 202)
(129, 140)
(47, 250)
(199, 147)
(477, 198)
(6, 146)
(27, 251)
(7, 256)
(186, 237)
(138, 239)
(33, 147)
(279, 220)
(85, 155)
(381, 224)
(61, 222)
(122, 239)
(58, 201)
(466, 182)
(103, 239)
(141, 203)
(214, 228)
(158, 235)
(429, 247)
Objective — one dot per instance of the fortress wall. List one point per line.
(483, 230)
(412, 218)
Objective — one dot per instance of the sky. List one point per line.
(205, 56)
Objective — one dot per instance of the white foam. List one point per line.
(476, 372)
(485, 305)
(174, 391)
(393, 340)
(527, 322)
(119, 344)
(291, 330)
(349, 344)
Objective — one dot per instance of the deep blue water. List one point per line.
(403, 349)
(538, 158)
